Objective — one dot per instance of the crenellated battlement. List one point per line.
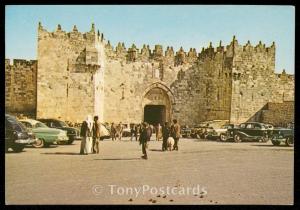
(234, 47)
(20, 62)
(181, 56)
(74, 35)
(284, 76)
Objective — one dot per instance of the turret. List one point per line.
(158, 52)
(180, 57)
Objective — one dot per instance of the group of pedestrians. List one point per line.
(90, 133)
(167, 131)
(116, 132)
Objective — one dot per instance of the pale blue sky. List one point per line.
(188, 26)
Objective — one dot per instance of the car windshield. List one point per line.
(40, 125)
(16, 125)
(62, 124)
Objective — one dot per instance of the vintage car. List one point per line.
(285, 135)
(104, 132)
(200, 131)
(72, 133)
(126, 130)
(45, 135)
(269, 126)
(16, 134)
(186, 131)
(219, 133)
(209, 129)
(249, 131)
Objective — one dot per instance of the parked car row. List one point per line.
(249, 131)
(45, 136)
(19, 133)
(72, 133)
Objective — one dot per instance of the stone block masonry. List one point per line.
(20, 86)
(82, 73)
(279, 114)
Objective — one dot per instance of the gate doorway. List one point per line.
(154, 114)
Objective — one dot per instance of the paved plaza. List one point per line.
(225, 173)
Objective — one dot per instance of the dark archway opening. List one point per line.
(155, 114)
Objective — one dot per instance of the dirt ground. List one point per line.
(226, 173)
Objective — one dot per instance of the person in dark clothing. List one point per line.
(136, 131)
(175, 133)
(96, 135)
(144, 138)
(166, 134)
(113, 131)
(131, 131)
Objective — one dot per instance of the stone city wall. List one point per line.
(254, 82)
(20, 86)
(82, 73)
(279, 114)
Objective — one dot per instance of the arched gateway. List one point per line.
(157, 104)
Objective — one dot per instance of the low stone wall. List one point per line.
(279, 114)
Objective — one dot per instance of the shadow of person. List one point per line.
(156, 150)
(60, 153)
(117, 159)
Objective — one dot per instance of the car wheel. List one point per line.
(263, 139)
(223, 137)
(289, 141)
(39, 143)
(18, 148)
(237, 138)
(70, 141)
(47, 145)
(275, 143)
(266, 139)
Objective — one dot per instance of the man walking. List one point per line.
(120, 131)
(96, 135)
(175, 133)
(144, 136)
(113, 131)
(166, 134)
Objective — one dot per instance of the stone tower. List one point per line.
(70, 74)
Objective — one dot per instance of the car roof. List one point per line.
(48, 119)
(32, 121)
(253, 123)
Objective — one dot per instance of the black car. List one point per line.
(285, 135)
(16, 134)
(249, 131)
(72, 133)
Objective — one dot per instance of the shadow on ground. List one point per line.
(60, 153)
(156, 150)
(118, 159)
(12, 152)
(269, 145)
